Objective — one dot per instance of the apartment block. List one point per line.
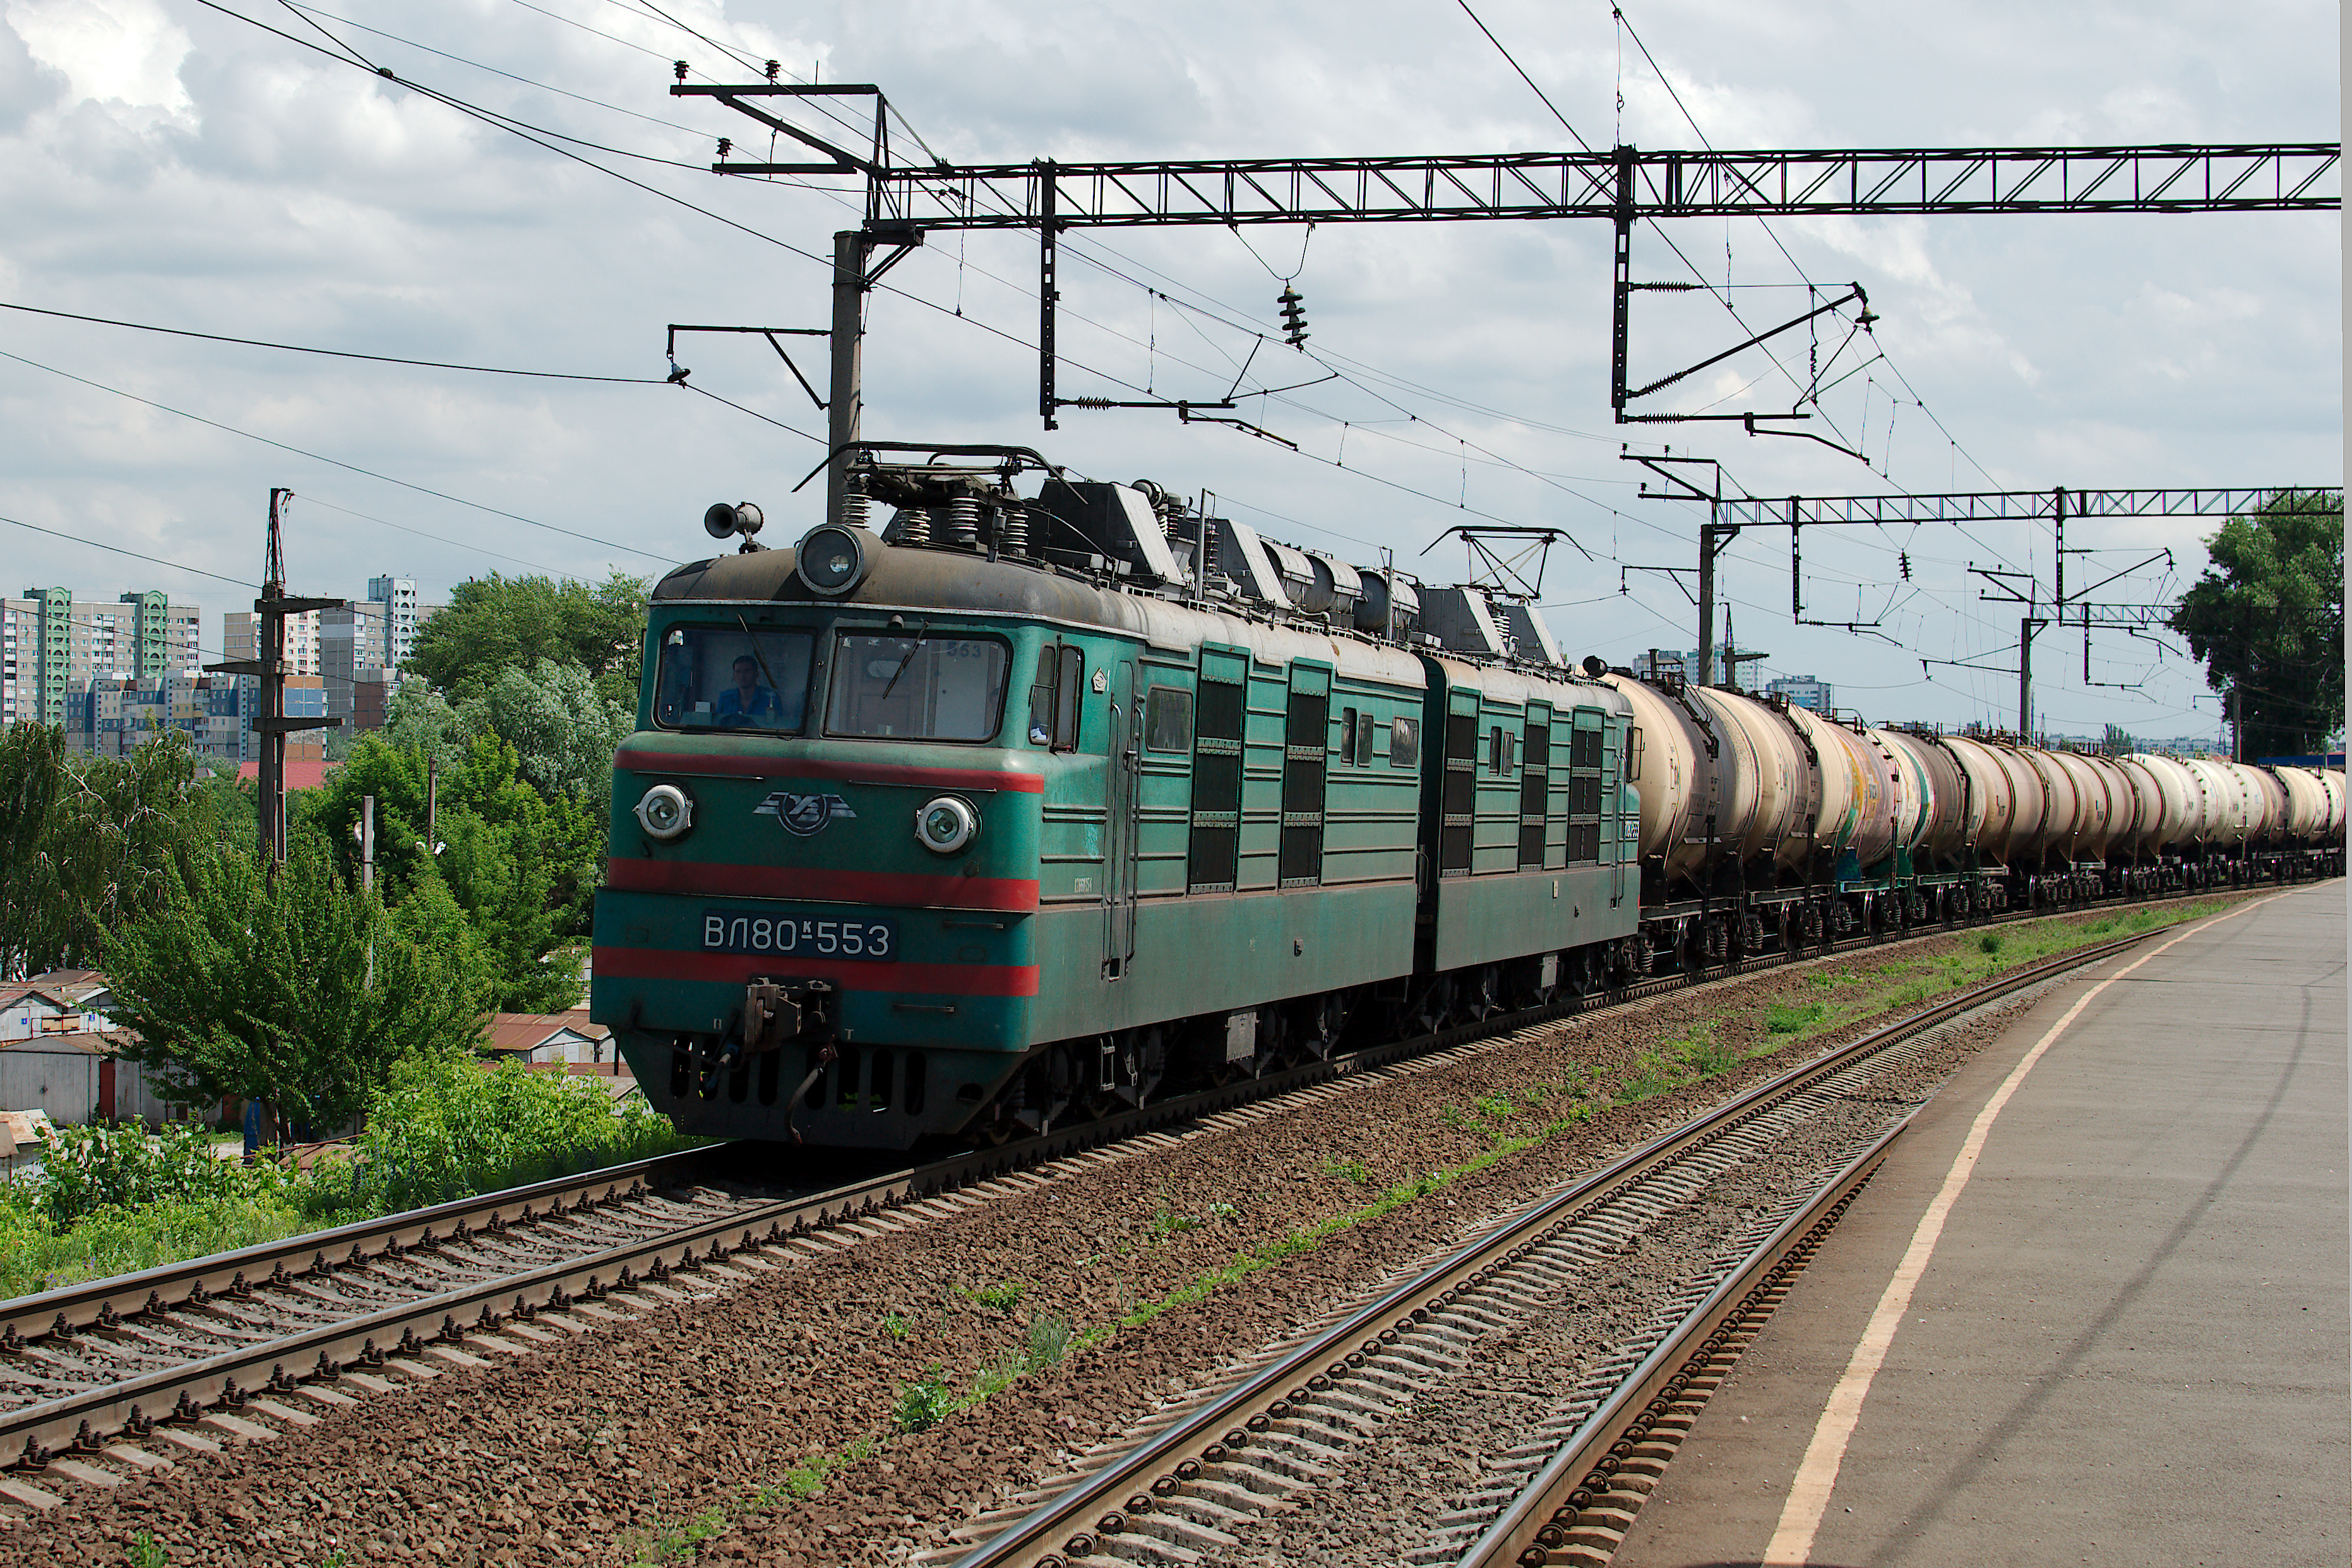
(402, 615)
(52, 646)
(1803, 691)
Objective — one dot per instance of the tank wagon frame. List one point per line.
(1022, 808)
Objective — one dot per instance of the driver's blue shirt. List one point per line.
(763, 704)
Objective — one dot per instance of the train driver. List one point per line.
(746, 702)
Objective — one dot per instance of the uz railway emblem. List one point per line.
(802, 815)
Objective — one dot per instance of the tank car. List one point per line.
(1022, 808)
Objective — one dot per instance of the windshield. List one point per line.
(727, 679)
(916, 687)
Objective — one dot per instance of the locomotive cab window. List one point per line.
(1054, 700)
(919, 687)
(714, 677)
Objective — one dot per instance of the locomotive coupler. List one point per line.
(775, 1011)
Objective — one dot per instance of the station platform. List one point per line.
(2120, 1333)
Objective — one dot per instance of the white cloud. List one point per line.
(116, 51)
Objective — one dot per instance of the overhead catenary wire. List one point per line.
(332, 353)
(337, 461)
(124, 550)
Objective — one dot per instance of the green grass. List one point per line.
(1781, 1018)
(1698, 1056)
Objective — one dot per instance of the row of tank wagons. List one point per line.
(1766, 770)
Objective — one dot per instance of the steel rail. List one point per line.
(1536, 1524)
(1068, 1526)
(89, 1302)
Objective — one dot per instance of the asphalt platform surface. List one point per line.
(2129, 1340)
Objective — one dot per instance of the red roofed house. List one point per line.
(565, 1040)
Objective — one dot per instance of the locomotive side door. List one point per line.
(1121, 785)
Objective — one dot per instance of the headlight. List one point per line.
(946, 825)
(666, 813)
(833, 559)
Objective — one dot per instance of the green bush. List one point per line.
(1780, 1018)
(91, 1168)
(445, 1129)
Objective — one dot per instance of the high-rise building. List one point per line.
(241, 639)
(1803, 691)
(52, 646)
(401, 616)
(351, 653)
(113, 714)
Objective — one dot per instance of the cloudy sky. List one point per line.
(171, 162)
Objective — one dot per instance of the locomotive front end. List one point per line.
(816, 922)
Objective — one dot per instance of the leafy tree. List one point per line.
(516, 869)
(2267, 618)
(563, 731)
(420, 719)
(294, 990)
(497, 623)
(88, 841)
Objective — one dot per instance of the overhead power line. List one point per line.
(333, 353)
(124, 550)
(339, 463)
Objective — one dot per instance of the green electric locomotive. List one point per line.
(1022, 808)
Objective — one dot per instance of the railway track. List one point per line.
(1179, 1489)
(114, 1371)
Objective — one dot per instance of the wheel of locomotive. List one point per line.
(1435, 1007)
(1319, 1023)
(1752, 933)
(1482, 994)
